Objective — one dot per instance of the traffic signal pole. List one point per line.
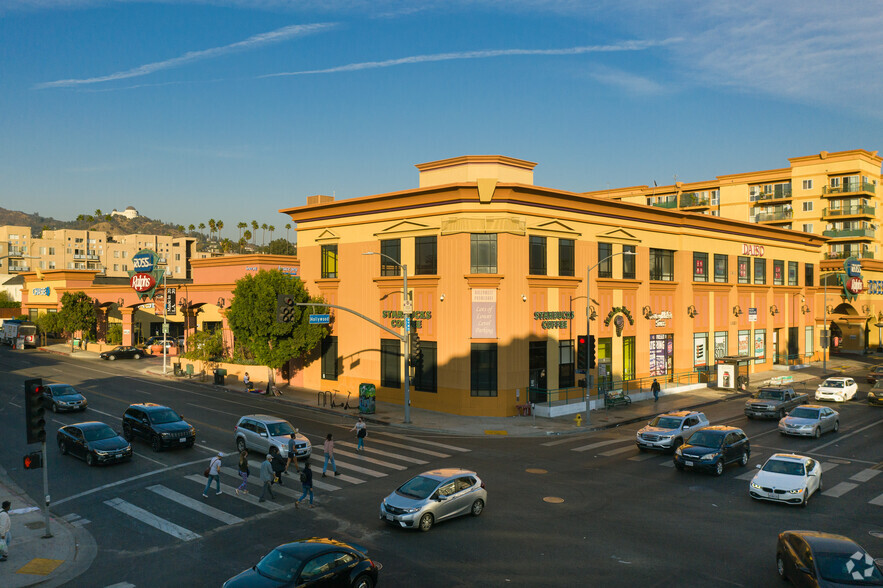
(48, 533)
(35, 426)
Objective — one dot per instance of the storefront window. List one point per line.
(760, 271)
(390, 248)
(744, 342)
(628, 358)
(662, 264)
(329, 261)
(537, 256)
(566, 373)
(760, 345)
(605, 363)
(744, 267)
(391, 363)
(605, 263)
(426, 370)
(661, 354)
(566, 262)
(425, 255)
(329, 358)
(778, 272)
(700, 350)
(483, 254)
(721, 347)
(700, 267)
(628, 263)
(792, 273)
(720, 268)
(483, 367)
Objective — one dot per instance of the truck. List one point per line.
(15, 329)
(773, 402)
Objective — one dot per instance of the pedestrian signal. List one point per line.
(33, 461)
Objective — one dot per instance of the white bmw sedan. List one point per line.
(787, 478)
(837, 389)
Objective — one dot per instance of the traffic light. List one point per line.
(416, 354)
(284, 308)
(591, 352)
(582, 353)
(35, 424)
(33, 461)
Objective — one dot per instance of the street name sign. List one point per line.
(320, 319)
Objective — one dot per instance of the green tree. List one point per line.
(201, 226)
(114, 334)
(241, 225)
(254, 231)
(287, 230)
(77, 315)
(211, 228)
(49, 323)
(281, 247)
(263, 233)
(98, 213)
(244, 241)
(6, 300)
(252, 318)
(191, 227)
(219, 225)
(205, 346)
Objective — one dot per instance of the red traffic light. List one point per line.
(581, 340)
(33, 461)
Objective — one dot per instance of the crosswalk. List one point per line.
(177, 509)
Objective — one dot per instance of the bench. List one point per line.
(616, 398)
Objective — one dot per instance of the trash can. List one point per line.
(367, 399)
(178, 370)
(219, 376)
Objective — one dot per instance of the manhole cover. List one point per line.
(877, 534)
(536, 471)
(553, 500)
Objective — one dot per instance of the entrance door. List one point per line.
(537, 370)
(793, 342)
(776, 346)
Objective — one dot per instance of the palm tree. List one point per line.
(108, 217)
(201, 226)
(211, 227)
(80, 217)
(219, 225)
(271, 228)
(191, 228)
(254, 227)
(98, 213)
(241, 226)
(287, 229)
(263, 234)
(245, 237)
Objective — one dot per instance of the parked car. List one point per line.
(813, 558)
(875, 395)
(257, 432)
(122, 352)
(63, 397)
(668, 431)
(712, 448)
(434, 496)
(837, 389)
(159, 425)
(311, 562)
(772, 402)
(788, 478)
(875, 374)
(810, 420)
(94, 442)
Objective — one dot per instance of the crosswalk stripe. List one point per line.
(840, 489)
(827, 466)
(151, 519)
(877, 501)
(194, 504)
(365, 458)
(317, 467)
(618, 450)
(430, 443)
(864, 475)
(386, 453)
(642, 456)
(250, 498)
(669, 463)
(599, 444)
(121, 585)
(749, 475)
(316, 483)
(409, 448)
(561, 441)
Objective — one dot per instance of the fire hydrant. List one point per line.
(579, 420)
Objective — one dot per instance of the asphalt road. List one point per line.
(578, 510)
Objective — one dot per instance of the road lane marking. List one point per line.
(113, 416)
(618, 450)
(430, 443)
(284, 490)
(668, 464)
(601, 444)
(151, 519)
(409, 448)
(841, 436)
(748, 475)
(237, 415)
(385, 453)
(840, 489)
(642, 456)
(877, 501)
(811, 454)
(194, 504)
(230, 490)
(147, 458)
(365, 458)
(864, 475)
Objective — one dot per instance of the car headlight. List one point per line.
(805, 427)
(411, 510)
(753, 485)
(796, 491)
(710, 456)
(871, 395)
(97, 452)
(678, 452)
(665, 438)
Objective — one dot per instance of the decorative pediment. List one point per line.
(404, 227)
(620, 235)
(328, 235)
(553, 227)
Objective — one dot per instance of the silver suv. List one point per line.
(257, 432)
(668, 431)
(434, 496)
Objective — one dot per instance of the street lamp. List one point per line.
(825, 326)
(588, 319)
(406, 310)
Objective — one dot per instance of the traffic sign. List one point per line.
(320, 319)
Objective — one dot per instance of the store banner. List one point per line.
(759, 345)
(171, 301)
(484, 313)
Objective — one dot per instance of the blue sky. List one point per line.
(233, 109)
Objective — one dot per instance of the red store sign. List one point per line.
(753, 250)
(142, 282)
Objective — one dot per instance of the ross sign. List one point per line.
(142, 282)
(145, 274)
(852, 281)
(752, 315)
(144, 261)
(853, 267)
(320, 319)
(752, 250)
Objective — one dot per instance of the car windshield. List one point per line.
(161, 417)
(664, 422)
(99, 433)
(279, 566)
(706, 439)
(833, 384)
(63, 390)
(420, 487)
(770, 394)
(849, 568)
(781, 466)
(278, 429)
(804, 413)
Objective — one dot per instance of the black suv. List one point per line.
(711, 448)
(160, 425)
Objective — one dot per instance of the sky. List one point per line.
(233, 109)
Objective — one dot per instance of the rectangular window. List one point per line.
(125, 267)
(720, 268)
(700, 267)
(426, 255)
(426, 370)
(720, 344)
(808, 277)
(391, 250)
(52, 251)
(778, 272)
(792, 273)
(116, 267)
(51, 265)
(605, 264)
(760, 271)
(808, 345)
(807, 185)
(537, 256)
(42, 251)
(835, 182)
(745, 342)
(483, 367)
(628, 263)
(329, 261)
(329, 358)
(760, 345)
(391, 363)
(483, 254)
(662, 262)
(628, 358)
(807, 206)
(566, 367)
(566, 259)
(807, 227)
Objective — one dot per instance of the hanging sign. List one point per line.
(142, 282)
(145, 275)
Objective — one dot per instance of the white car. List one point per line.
(788, 478)
(837, 389)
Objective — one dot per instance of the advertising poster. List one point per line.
(743, 343)
(484, 313)
(726, 376)
(699, 346)
(759, 345)
(720, 345)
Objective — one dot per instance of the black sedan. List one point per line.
(94, 442)
(123, 352)
(813, 558)
(875, 374)
(875, 395)
(62, 397)
(712, 448)
(311, 562)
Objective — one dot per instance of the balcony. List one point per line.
(850, 233)
(666, 204)
(850, 188)
(778, 216)
(858, 210)
(845, 254)
(693, 200)
(19, 268)
(16, 252)
(779, 193)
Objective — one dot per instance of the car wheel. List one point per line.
(477, 507)
(240, 444)
(111, 357)
(719, 467)
(54, 407)
(675, 444)
(127, 434)
(62, 447)
(426, 522)
(156, 444)
(90, 459)
(363, 581)
(743, 461)
(836, 426)
(816, 433)
(780, 567)
(805, 497)
(136, 356)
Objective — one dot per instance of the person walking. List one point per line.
(279, 464)
(361, 430)
(267, 478)
(5, 530)
(214, 474)
(654, 387)
(306, 478)
(329, 455)
(243, 472)
(292, 451)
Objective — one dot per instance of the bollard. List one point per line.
(579, 420)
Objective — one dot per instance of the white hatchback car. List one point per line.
(788, 478)
(837, 389)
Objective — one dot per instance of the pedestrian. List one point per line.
(243, 472)
(5, 530)
(361, 432)
(213, 472)
(292, 450)
(267, 478)
(654, 387)
(249, 387)
(306, 478)
(279, 464)
(329, 455)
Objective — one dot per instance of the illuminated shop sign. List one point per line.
(553, 320)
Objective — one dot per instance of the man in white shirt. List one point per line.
(5, 526)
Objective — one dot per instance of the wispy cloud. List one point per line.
(631, 83)
(253, 42)
(486, 54)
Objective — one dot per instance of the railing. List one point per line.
(788, 359)
(849, 253)
(555, 396)
(691, 199)
(562, 396)
(845, 233)
(666, 204)
(774, 216)
(849, 188)
(778, 193)
(850, 210)
(19, 268)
